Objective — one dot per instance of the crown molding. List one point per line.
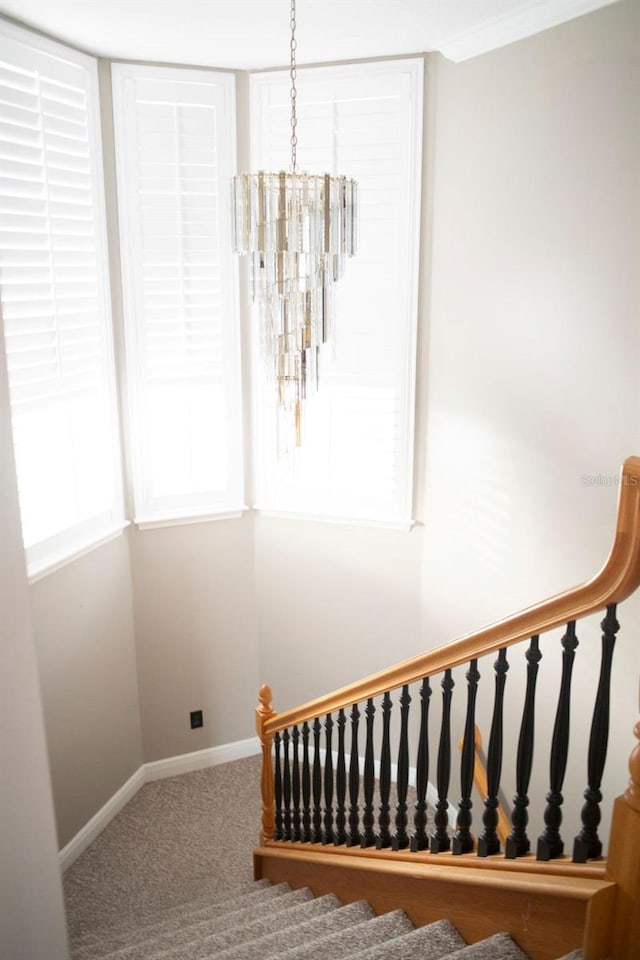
(539, 15)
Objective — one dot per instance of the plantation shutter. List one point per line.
(55, 302)
(356, 461)
(175, 136)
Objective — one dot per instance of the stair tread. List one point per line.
(303, 935)
(500, 946)
(232, 941)
(436, 940)
(231, 927)
(262, 901)
(339, 945)
(150, 917)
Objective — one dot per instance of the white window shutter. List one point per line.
(55, 299)
(175, 147)
(356, 461)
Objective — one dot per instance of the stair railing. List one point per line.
(319, 800)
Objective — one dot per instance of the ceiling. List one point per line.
(254, 34)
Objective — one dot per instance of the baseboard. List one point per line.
(98, 822)
(201, 759)
(157, 770)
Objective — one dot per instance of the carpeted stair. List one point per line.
(258, 921)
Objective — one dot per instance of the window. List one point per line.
(55, 300)
(362, 121)
(175, 151)
(175, 147)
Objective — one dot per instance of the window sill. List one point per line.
(402, 525)
(151, 523)
(38, 572)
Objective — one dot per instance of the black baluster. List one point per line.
(286, 786)
(440, 838)
(296, 833)
(327, 834)
(354, 838)
(518, 843)
(384, 837)
(400, 838)
(278, 833)
(306, 785)
(316, 783)
(463, 841)
(368, 837)
(489, 842)
(550, 843)
(419, 839)
(341, 784)
(587, 844)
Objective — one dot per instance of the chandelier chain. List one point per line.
(293, 93)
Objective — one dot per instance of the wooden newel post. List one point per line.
(623, 864)
(264, 712)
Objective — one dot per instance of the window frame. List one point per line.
(51, 553)
(260, 83)
(233, 504)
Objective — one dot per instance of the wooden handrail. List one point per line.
(618, 578)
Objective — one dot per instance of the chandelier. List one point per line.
(297, 229)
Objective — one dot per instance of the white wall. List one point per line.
(534, 338)
(335, 602)
(195, 634)
(83, 624)
(534, 342)
(32, 924)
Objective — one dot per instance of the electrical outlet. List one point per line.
(196, 719)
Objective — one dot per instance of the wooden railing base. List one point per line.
(624, 865)
(562, 867)
(547, 915)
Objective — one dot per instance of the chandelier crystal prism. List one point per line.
(298, 230)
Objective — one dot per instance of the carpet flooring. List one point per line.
(176, 840)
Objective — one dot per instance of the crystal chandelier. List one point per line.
(298, 229)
